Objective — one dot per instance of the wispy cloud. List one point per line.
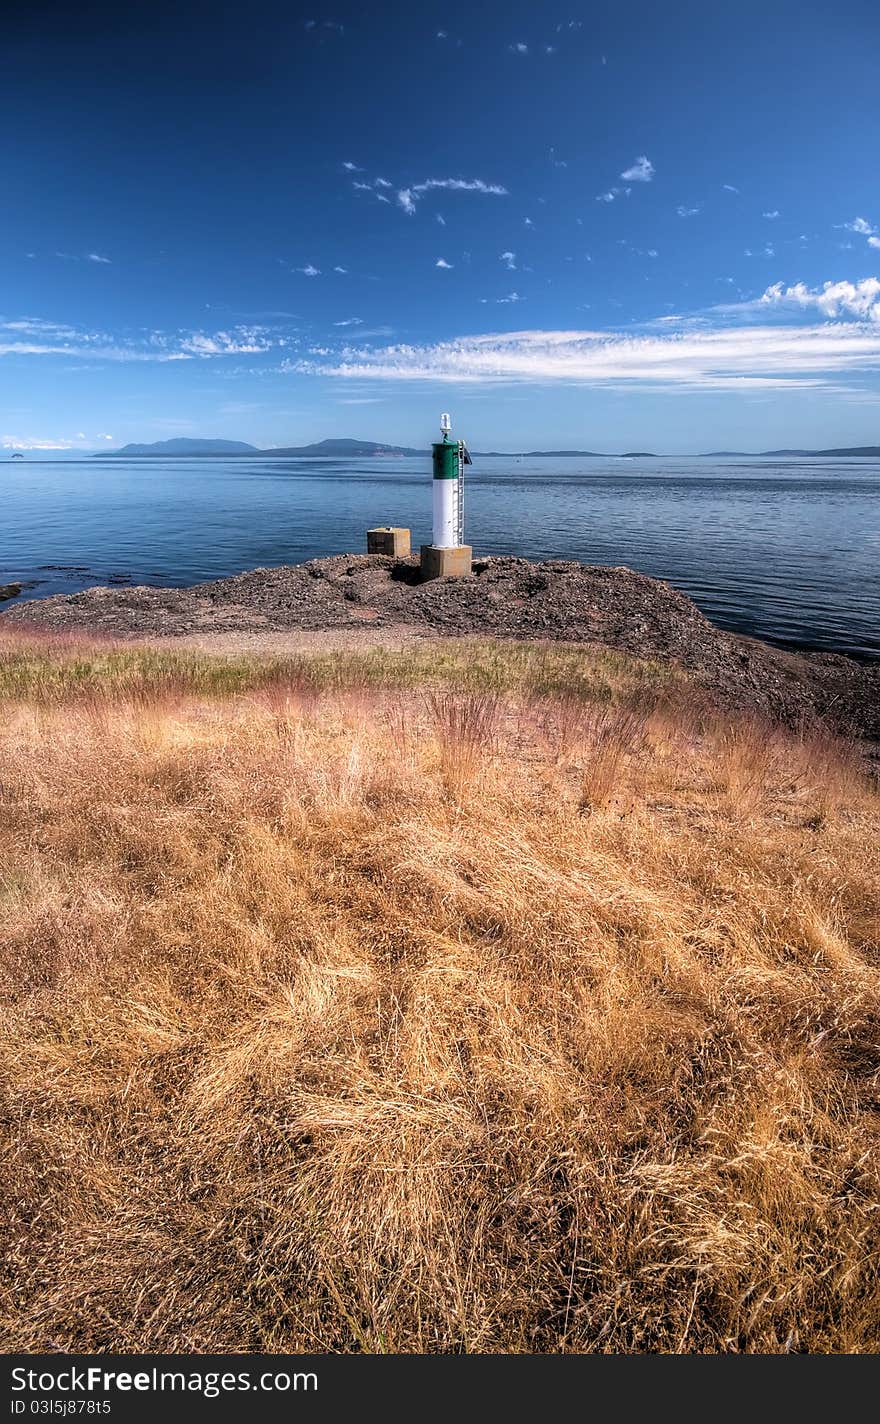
(642, 171)
(729, 188)
(33, 336)
(865, 229)
(509, 260)
(24, 442)
(96, 257)
(309, 270)
(519, 48)
(37, 326)
(735, 359)
(408, 197)
(350, 321)
(684, 212)
(613, 193)
(343, 271)
(351, 167)
(321, 28)
(774, 213)
(441, 262)
(461, 185)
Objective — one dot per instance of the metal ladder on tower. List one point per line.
(464, 458)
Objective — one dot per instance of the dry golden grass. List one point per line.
(341, 1015)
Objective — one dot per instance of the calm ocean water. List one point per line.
(787, 549)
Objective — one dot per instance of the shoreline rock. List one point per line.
(505, 597)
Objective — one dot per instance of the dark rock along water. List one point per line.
(784, 549)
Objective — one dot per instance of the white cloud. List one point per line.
(642, 171)
(773, 214)
(511, 297)
(14, 442)
(460, 185)
(408, 197)
(32, 336)
(441, 219)
(241, 341)
(383, 183)
(860, 225)
(684, 212)
(362, 187)
(343, 271)
(96, 257)
(309, 270)
(550, 49)
(874, 241)
(18, 442)
(833, 299)
(351, 167)
(729, 188)
(527, 222)
(509, 260)
(519, 48)
(738, 359)
(350, 321)
(613, 193)
(37, 326)
(441, 262)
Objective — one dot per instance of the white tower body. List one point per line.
(445, 498)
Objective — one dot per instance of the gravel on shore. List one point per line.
(503, 598)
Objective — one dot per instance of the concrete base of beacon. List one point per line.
(446, 563)
(389, 540)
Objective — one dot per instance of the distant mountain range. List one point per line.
(190, 447)
(201, 448)
(870, 450)
(183, 447)
(239, 447)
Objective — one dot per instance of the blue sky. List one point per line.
(612, 226)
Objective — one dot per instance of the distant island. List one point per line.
(182, 446)
(192, 448)
(872, 451)
(199, 449)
